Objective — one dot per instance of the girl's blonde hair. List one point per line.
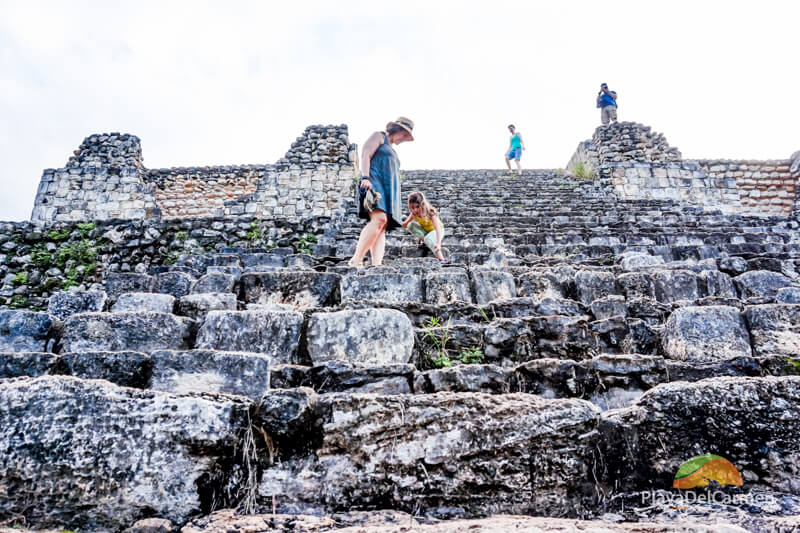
(417, 198)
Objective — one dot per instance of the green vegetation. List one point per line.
(794, 364)
(303, 246)
(485, 317)
(18, 301)
(584, 171)
(20, 279)
(256, 233)
(435, 337)
(40, 257)
(181, 236)
(84, 228)
(443, 361)
(59, 235)
(471, 356)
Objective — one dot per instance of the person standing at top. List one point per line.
(380, 172)
(515, 148)
(607, 102)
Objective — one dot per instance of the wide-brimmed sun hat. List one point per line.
(405, 123)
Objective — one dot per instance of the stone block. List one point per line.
(715, 283)
(674, 285)
(197, 306)
(607, 307)
(64, 304)
(637, 260)
(99, 457)
(540, 285)
(136, 331)
(214, 282)
(343, 376)
(706, 334)
(176, 284)
(144, 301)
(442, 431)
(298, 289)
(274, 333)
(447, 286)
(263, 259)
(491, 285)
(24, 331)
(774, 329)
(760, 284)
(370, 336)
(464, 378)
(201, 371)
(788, 295)
(636, 285)
(389, 287)
(32, 364)
(733, 266)
(125, 368)
(121, 282)
(560, 306)
(592, 284)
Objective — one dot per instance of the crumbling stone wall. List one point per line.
(107, 180)
(764, 187)
(37, 261)
(104, 179)
(639, 164)
(193, 191)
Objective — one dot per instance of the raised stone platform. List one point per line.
(577, 348)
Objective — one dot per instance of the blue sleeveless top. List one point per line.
(384, 174)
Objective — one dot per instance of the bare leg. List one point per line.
(378, 249)
(519, 167)
(375, 227)
(508, 163)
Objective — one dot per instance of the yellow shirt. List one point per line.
(426, 223)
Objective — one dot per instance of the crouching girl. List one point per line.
(424, 222)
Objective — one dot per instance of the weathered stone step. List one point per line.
(99, 457)
(427, 453)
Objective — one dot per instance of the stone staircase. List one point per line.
(572, 353)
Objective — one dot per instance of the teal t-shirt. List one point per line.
(516, 142)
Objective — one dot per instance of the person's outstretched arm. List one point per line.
(521, 142)
(408, 221)
(437, 226)
(370, 147)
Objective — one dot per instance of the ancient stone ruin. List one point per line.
(186, 350)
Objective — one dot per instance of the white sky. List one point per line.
(214, 83)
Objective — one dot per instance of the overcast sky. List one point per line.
(214, 83)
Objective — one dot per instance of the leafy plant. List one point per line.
(82, 251)
(71, 279)
(59, 235)
(18, 301)
(21, 278)
(435, 337)
(84, 228)
(305, 242)
(181, 236)
(443, 361)
(471, 356)
(40, 257)
(794, 364)
(256, 233)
